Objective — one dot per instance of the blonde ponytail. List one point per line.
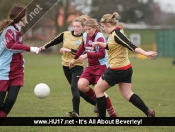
(111, 18)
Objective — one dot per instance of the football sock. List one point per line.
(137, 101)
(91, 94)
(10, 98)
(87, 98)
(2, 114)
(110, 108)
(101, 104)
(2, 96)
(76, 104)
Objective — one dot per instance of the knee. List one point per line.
(127, 95)
(98, 91)
(81, 86)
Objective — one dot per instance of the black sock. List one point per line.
(10, 98)
(101, 104)
(138, 102)
(87, 98)
(2, 97)
(76, 104)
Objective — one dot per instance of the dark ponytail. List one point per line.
(16, 13)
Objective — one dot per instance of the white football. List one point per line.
(42, 90)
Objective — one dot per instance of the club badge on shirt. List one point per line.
(77, 42)
(110, 38)
(90, 42)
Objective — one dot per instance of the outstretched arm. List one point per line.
(17, 47)
(149, 54)
(57, 40)
(100, 44)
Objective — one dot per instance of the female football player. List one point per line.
(11, 58)
(71, 42)
(97, 61)
(120, 69)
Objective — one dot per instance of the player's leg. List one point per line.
(10, 99)
(75, 74)
(71, 77)
(84, 81)
(75, 91)
(125, 90)
(87, 98)
(109, 106)
(104, 83)
(2, 97)
(83, 85)
(4, 84)
(75, 78)
(100, 89)
(68, 75)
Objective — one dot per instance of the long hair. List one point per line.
(78, 19)
(111, 18)
(84, 18)
(16, 13)
(92, 23)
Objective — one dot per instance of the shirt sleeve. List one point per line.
(124, 41)
(100, 53)
(73, 51)
(57, 40)
(11, 43)
(80, 51)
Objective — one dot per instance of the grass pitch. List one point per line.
(153, 80)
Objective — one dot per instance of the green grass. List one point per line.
(153, 80)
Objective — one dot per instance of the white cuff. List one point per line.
(34, 49)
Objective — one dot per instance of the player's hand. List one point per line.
(82, 57)
(94, 44)
(34, 50)
(71, 63)
(41, 48)
(99, 44)
(64, 50)
(150, 54)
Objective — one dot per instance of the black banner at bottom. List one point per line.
(87, 121)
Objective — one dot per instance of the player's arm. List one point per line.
(72, 51)
(79, 52)
(100, 44)
(149, 54)
(57, 40)
(14, 46)
(124, 41)
(79, 55)
(121, 39)
(100, 53)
